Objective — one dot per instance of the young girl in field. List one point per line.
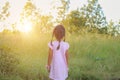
(58, 55)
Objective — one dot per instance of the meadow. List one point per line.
(91, 56)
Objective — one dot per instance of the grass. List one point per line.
(91, 56)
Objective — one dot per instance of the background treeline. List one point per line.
(88, 18)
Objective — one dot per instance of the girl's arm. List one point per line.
(49, 58)
(66, 55)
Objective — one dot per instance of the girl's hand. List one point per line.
(67, 69)
(48, 68)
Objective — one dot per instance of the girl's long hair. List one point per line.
(59, 33)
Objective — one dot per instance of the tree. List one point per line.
(31, 14)
(62, 10)
(74, 21)
(113, 29)
(75, 18)
(4, 14)
(46, 23)
(94, 14)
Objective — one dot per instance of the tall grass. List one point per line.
(91, 56)
(94, 56)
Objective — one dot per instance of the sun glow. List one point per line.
(26, 26)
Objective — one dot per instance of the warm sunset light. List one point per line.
(59, 40)
(25, 27)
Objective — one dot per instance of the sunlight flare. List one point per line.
(26, 26)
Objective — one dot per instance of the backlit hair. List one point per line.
(59, 33)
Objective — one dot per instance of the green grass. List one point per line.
(91, 56)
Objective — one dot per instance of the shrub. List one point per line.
(8, 61)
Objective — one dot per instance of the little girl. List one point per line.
(58, 55)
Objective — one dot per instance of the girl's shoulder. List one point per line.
(56, 42)
(52, 43)
(66, 45)
(65, 42)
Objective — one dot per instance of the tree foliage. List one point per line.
(5, 12)
(32, 14)
(94, 14)
(75, 18)
(90, 16)
(113, 29)
(62, 10)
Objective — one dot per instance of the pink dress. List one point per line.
(59, 69)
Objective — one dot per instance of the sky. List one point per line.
(110, 7)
